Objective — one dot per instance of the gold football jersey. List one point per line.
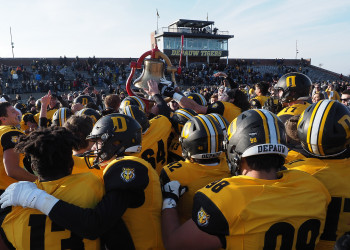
(9, 136)
(262, 99)
(154, 142)
(194, 176)
(295, 109)
(335, 175)
(250, 213)
(27, 228)
(226, 109)
(144, 220)
(293, 156)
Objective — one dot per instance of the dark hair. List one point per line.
(240, 99)
(265, 162)
(91, 106)
(321, 95)
(112, 102)
(50, 151)
(80, 126)
(264, 87)
(346, 92)
(3, 108)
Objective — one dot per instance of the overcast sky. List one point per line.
(114, 28)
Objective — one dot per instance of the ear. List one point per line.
(2, 119)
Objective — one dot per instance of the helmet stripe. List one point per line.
(206, 129)
(320, 133)
(140, 102)
(219, 120)
(204, 102)
(272, 127)
(310, 127)
(128, 111)
(61, 117)
(232, 128)
(315, 126)
(216, 136)
(184, 113)
(211, 132)
(266, 129)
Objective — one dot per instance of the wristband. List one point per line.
(177, 97)
(169, 203)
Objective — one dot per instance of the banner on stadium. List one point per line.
(204, 53)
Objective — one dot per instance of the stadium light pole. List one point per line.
(296, 49)
(13, 55)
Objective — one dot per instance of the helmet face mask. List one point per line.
(255, 132)
(113, 135)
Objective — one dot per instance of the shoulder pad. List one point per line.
(125, 175)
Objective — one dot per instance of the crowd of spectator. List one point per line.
(75, 75)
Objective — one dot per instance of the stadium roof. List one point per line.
(192, 23)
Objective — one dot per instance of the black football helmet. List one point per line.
(21, 106)
(294, 85)
(132, 100)
(83, 99)
(94, 114)
(61, 116)
(255, 132)
(255, 104)
(136, 113)
(198, 98)
(38, 104)
(324, 128)
(201, 138)
(180, 117)
(118, 133)
(221, 121)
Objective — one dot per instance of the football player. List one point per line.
(132, 190)
(50, 150)
(294, 92)
(261, 92)
(10, 170)
(155, 134)
(178, 120)
(324, 132)
(202, 146)
(261, 207)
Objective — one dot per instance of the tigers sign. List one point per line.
(204, 53)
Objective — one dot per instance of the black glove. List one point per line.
(173, 190)
(171, 193)
(165, 90)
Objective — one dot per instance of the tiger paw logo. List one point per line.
(128, 174)
(14, 139)
(202, 217)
